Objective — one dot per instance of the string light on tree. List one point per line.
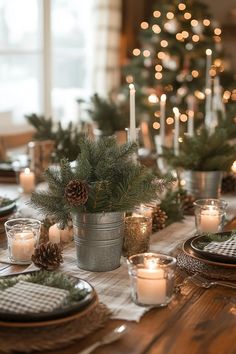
(217, 31)
(206, 22)
(169, 120)
(146, 53)
(157, 14)
(158, 67)
(164, 43)
(187, 15)
(153, 98)
(182, 6)
(170, 15)
(156, 125)
(195, 38)
(156, 29)
(136, 52)
(144, 25)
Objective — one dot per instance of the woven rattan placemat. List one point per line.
(191, 266)
(54, 336)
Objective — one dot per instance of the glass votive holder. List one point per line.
(210, 215)
(137, 234)
(22, 238)
(144, 210)
(152, 278)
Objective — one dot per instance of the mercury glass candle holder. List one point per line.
(137, 234)
(152, 278)
(210, 215)
(22, 238)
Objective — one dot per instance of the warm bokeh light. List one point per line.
(182, 6)
(158, 67)
(208, 52)
(157, 114)
(180, 139)
(156, 29)
(195, 38)
(206, 22)
(158, 76)
(136, 52)
(194, 23)
(226, 95)
(170, 15)
(161, 55)
(200, 95)
(153, 98)
(218, 62)
(217, 31)
(169, 120)
(217, 39)
(156, 13)
(233, 168)
(183, 117)
(146, 53)
(195, 73)
(144, 25)
(212, 72)
(185, 34)
(187, 15)
(129, 79)
(156, 125)
(179, 36)
(164, 43)
(207, 91)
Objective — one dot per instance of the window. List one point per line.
(44, 57)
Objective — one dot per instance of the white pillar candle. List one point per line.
(22, 246)
(210, 220)
(208, 91)
(54, 234)
(57, 235)
(176, 131)
(162, 118)
(27, 181)
(191, 104)
(151, 286)
(132, 132)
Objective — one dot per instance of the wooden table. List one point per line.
(197, 321)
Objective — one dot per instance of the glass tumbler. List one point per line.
(210, 215)
(152, 278)
(22, 238)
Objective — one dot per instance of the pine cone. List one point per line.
(48, 256)
(158, 219)
(76, 192)
(187, 204)
(228, 184)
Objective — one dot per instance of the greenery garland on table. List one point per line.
(204, 152)
(106, 178)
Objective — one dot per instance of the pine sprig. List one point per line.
(204, 152)
(115, 181)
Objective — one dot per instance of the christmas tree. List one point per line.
(180, 64)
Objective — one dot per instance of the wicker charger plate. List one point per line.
(192, 263)
(52, 334)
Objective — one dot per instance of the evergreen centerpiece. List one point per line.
(105, 182)
(203, 157)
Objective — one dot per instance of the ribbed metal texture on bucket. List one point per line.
(98, 240)
(203, 184)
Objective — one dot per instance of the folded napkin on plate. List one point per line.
(26, 297)
(226, 248)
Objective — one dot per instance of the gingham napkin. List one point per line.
(26, 297)
(226, 248)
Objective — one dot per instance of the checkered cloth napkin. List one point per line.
(26, 297)
(226, 248)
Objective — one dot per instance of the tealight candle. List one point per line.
(22, 246)
(151, 276)
(210, 220)
(22, 238)
(210, 215)
(151, 285)
(27, 180)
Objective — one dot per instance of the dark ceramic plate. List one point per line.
(6, 209)
(67, 310)
(189, 251)
(200, 242)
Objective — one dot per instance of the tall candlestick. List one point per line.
(191, 104)
(176, 131)
(208, 91)
(132, 132)
(162, 118)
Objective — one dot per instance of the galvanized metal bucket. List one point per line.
(98, 240)
(201, 184)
